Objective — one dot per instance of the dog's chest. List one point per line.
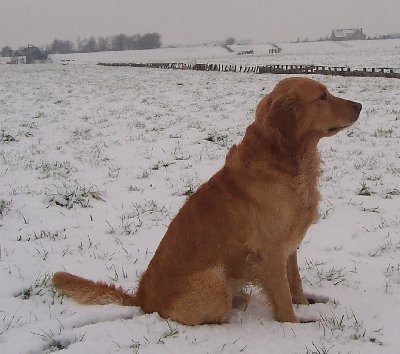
(307, 194)
(304, 211)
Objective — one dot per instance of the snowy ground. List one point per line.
(355, 54)
(94, 163)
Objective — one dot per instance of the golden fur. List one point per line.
(245, 224)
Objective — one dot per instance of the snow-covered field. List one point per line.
(355, 54)
(94, 163)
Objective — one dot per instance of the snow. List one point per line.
(355, 54)
(95, 162)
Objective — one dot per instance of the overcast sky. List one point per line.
(191, 21)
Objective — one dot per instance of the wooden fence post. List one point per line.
(273, 69)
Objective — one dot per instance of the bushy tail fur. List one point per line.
(87, 291)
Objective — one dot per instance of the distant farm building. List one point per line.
(348, 34)
(27, 55)
(251, 51)
(34, 54)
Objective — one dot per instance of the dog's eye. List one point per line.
(323, 97)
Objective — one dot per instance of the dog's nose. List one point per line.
(357, 106)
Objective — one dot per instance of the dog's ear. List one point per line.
(278, 111)
(263, 109)
(284, 103)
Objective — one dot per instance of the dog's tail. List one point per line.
(86, 291)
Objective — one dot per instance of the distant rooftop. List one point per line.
(347, 33)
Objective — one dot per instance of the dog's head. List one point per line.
(301, 107)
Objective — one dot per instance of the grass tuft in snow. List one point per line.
(171, 333)
(320, 273)
(218, 138)
(348, 325)
(70, 195)
(318, 349)
(189, 186)
(54, 341)
(60, 169)
(4, 207)
(389, 246)
(6, 137)
(393, 270)
(364, 190)
(132, 221)
(392, 273)
(8, 321)
(393, 192)
(383, 133)
(44, 234)
(135, 346)
(40, 287)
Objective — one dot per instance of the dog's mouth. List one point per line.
(334, 130)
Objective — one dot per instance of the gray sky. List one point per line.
(186, 21)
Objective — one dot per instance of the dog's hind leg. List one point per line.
(203, 297)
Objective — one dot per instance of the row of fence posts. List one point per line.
(271, 69)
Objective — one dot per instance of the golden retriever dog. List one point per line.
(245, 224)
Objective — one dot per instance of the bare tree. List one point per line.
(61, 47)
(6, 51)
(91, 45)
(103, 44)
(149, 41)
(230, 41)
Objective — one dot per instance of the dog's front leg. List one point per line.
(293, 275)
(296, 288)
(276, 286)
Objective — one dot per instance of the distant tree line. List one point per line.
(118, 42)
(328, 38)
(386, 36)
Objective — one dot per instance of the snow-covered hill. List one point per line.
(355, 54)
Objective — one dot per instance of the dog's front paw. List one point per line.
(309, 319)
(300, 300)
(316, 299)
